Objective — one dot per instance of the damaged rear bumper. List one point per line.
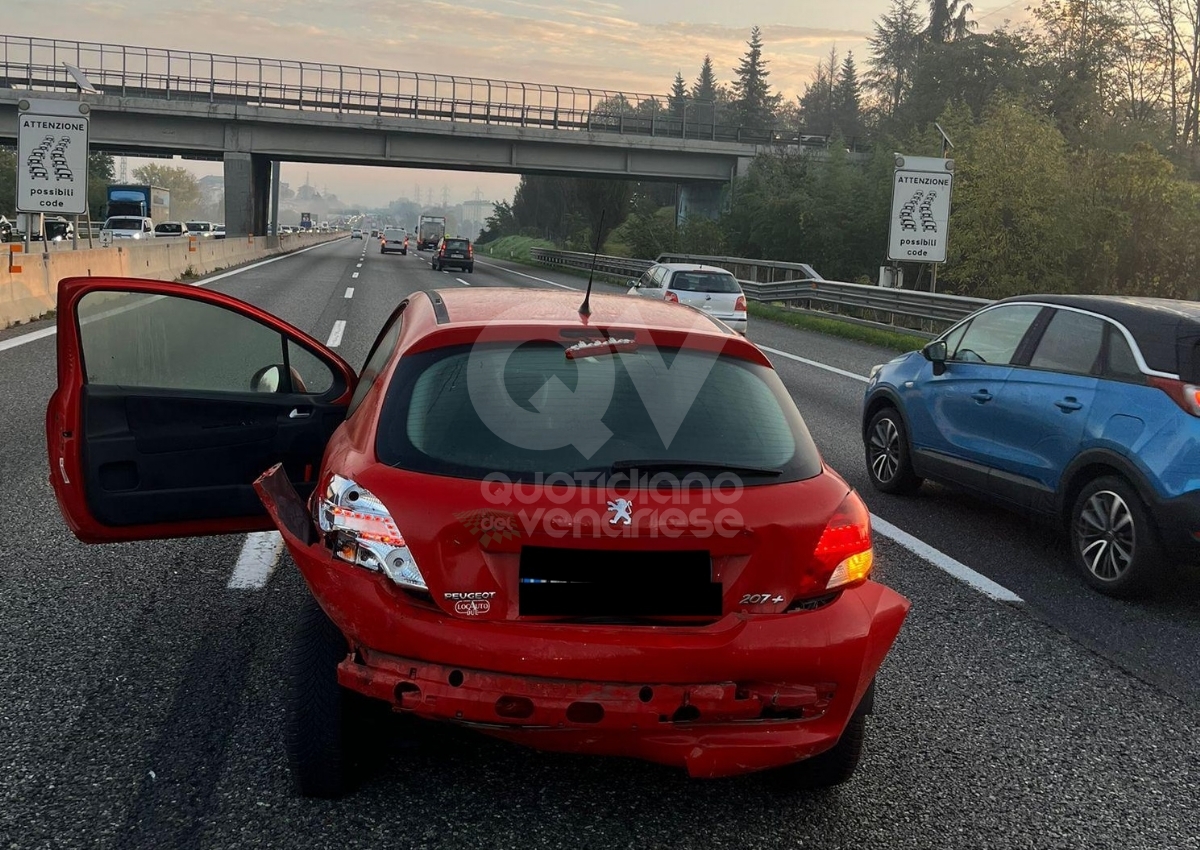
(745, 693)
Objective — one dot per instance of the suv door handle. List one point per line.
(1068, 404)
(982, 396)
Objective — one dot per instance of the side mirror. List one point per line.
(266, 380)
(935, 353)
(635, 284)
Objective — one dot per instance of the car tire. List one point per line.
(326, 726)
(404, 253)
(434, 266)
(889, 454)
(835, 766)
(1114, 542)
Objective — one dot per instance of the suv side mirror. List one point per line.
(935, 353)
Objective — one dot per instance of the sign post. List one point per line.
(52, 157)
(917, 231)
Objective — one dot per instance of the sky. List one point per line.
(625, 45)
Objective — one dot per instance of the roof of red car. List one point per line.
(539, 306)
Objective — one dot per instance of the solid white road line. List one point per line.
(349, 291)
(260, 554)
(24, 339)
(944, 562)
(335, 335)
(531, 277)
(834, 369)
(463, 282)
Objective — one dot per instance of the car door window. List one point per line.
(1119, 360)
(994, 335)
(1071, 343)
(143, 341)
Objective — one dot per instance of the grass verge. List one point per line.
(847, 330)
(513, 248)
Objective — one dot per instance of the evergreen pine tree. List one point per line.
(753, 102)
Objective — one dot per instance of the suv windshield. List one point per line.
(656, 407)
(169, 228)
(123, 224)
(705, 282)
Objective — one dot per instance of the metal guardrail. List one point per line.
(38, 64)
(924, 313)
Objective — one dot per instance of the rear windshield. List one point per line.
(199, 225)
(169, 228)
(396, 235)
(457, 243)
(471, 411)
(123, 224)
(705, 282)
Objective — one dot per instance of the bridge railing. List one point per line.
(180, 75)
(924, 314)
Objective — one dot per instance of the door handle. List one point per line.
(1068, 404)
(982, 396)
(297, 413)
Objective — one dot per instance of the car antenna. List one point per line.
(585, 309)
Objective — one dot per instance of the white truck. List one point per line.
(430, 230)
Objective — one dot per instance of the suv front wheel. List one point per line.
(1113, 541)
(889, 462)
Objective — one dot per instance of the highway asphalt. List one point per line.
(140, 696)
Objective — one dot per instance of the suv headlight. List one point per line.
(359, 530)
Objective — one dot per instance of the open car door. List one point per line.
(172, 400)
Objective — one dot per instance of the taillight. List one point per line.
(844, 556)
(359, 530)
(470, 250)
(672, 297)
(739, 306)
(1186, 396)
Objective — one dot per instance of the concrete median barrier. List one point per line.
(29, 282)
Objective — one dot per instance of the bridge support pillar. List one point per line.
(700, 200)
(247, 193)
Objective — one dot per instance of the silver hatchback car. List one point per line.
(708, 288)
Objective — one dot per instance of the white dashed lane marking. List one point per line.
(335, 335)
(260, 554)
(463, 282)
(349, 291)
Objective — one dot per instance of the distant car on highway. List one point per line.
(170, 228)
(128, 227)
(728, 629)
(393, 240)
(1082, 411)
(455, 252)
(709, 289)
(218, 231)
(356, 234)
(201, 228)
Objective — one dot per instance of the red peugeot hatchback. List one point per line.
(599, 532)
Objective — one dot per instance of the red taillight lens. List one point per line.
(843, 555)
(470, 250)
(739, 306)
(1186, 396)
(672, 297)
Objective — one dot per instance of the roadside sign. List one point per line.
(52, 157)
(920, 209)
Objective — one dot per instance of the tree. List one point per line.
(704, 90)
(948, 20)
(816, 104)
(100, 174)
(181, 183)
(754, 104)
(895, 49)
(499, 223)
(678, 99)
(845, 99)
(603, 205)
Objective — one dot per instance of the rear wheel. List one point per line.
(834, 766)
(889, 462)
(1113, 540)
(327, 728)
(471, 269)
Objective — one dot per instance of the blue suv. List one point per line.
(1081, 410)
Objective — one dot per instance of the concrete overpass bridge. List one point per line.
(252, 112)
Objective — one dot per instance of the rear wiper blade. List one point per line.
(651, 465)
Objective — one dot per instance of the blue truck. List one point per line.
(138, 201)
